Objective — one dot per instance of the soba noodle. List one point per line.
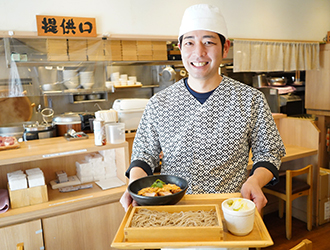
(152, 218)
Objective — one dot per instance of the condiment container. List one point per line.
(115, 132)
(99, 132)
(239, 215)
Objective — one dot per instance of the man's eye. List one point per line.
(188, 43)
(209, 43)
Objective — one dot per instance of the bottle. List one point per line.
(99, 132)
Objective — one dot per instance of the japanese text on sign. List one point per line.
(66, 26)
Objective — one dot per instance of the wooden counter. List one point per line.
(51, 155)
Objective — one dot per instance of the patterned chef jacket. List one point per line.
(208, 144)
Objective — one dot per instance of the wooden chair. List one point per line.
(303, 245)
(289, 189)
(20, 246)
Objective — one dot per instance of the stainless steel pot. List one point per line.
(12, 129)
(67, 121)
(277, 81)
(38, 131)
(168, 74)
(259, 81)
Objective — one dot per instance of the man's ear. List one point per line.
(226, 47)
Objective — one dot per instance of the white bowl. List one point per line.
(109, 84)
(87, 85)
(71, 84)
(239, 220)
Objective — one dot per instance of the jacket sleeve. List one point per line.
(266, 143)
(146, 146)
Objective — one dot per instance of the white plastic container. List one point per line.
(239, 221)
(130, 111)
(115, 133)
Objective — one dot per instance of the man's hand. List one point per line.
(126, 199)
(251, 189)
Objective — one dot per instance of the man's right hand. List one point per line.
(126, 198)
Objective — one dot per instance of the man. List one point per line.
(206, 124)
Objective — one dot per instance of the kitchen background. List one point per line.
(117, 18)
(273, 19)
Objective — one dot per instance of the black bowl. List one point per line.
(137, 185)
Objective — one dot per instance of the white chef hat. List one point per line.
(203, 17)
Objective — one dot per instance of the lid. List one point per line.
(14, 109)
(130, 103)
(67, 118)
(38, 127)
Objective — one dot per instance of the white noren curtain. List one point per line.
(267, 56)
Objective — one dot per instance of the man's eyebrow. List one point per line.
(206, 36)
(188, 37)
(209, 36)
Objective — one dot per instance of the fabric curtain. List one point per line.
(267, 56)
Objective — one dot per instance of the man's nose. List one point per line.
(200, 50)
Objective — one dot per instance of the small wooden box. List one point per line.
(95, 50)
(77, 50)
(159, 50)
(28, 196)
(38, 194)
(57, 50)
(113, 50)
(174, 234)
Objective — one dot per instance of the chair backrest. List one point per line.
(293, 173)
(303, 245)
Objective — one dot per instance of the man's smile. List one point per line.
(199, 64)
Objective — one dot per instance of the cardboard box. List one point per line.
(324, 183)
(172, 234)
(324, 211)
(324, 196)
(28, 196)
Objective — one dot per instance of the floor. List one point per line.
(320, 235)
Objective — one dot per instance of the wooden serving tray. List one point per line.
(259, 237)
(174, 233)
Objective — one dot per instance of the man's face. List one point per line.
(201, 53)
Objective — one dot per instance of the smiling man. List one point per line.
(206, 124)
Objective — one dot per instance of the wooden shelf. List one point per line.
(51, 155)
(60, 203)
(128, 86)
(50, 148)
